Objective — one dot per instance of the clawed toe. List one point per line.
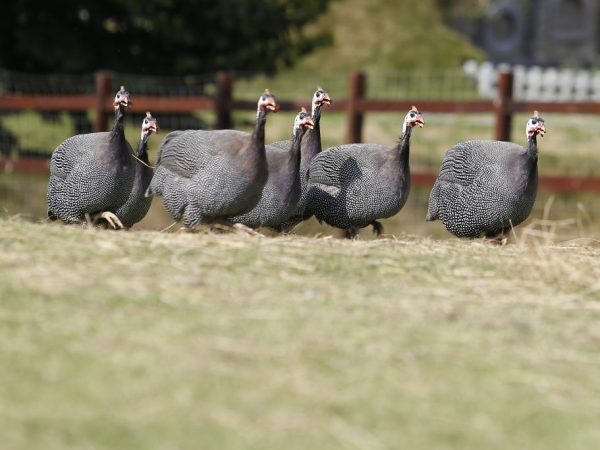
(501, 239)
(110, 217)
(245, 229)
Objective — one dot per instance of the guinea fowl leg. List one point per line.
(351, 233)
(377, 228)
(111, 218)
(88, 220)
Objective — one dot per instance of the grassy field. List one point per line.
(147, 340)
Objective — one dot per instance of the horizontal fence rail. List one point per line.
(355, 105)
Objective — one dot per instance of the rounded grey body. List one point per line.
(89, 173)
(484, 188)
(208, 176)
(352, 185)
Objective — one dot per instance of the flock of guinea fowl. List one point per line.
(230, 178)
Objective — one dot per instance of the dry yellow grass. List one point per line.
(169, 340)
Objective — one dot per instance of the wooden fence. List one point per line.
(355, 105)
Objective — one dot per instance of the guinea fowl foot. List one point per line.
(111, 218)
(240, 227)
(500, 239)
(220, 228)
(377, 228)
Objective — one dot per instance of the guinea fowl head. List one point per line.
(412, 118)
(122, 99)
(149, 126)
(267, 102)
(302, 122)
(535, 126)
(320, 98)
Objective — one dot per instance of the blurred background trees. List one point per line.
(157, 36)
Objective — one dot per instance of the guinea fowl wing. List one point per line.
(343, 164)
(460, 165)
(71, 151)
(187, 152)
(326, 167)
(464, 161)
(281, 145)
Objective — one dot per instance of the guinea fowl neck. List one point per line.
(118, 132)
(532, 151)
(404, 148)
(312, 141)
(296, 143)
(257, 142)
(142, 150)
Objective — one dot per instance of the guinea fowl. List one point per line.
(353, 185)
(282, 189)
(207, 176)
(137, 205)
(91, 174)
(310, 147)
(487, 187)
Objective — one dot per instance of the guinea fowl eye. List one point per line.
(263, 98)
(318, 94)
(146, 121)
(533, 122)
(118, 95)
(412, 115)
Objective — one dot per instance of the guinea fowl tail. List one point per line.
(377, 228)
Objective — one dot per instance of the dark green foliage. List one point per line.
(156, 36)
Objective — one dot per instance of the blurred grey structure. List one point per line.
(540, 32)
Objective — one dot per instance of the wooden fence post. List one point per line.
(223, 101)
(357, 90)
(104, 90)
(503, 106)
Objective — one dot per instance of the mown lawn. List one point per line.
(147, 340)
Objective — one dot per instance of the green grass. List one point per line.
(387, 34)
(146, 340)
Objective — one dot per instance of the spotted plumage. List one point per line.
(208, 176)
(137, 205)
(486, 187)
(282, 189)
(351, 186)
(91, 173)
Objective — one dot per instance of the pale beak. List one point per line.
(272, 105)
(541, 130)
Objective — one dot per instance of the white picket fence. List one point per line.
(538, 83)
